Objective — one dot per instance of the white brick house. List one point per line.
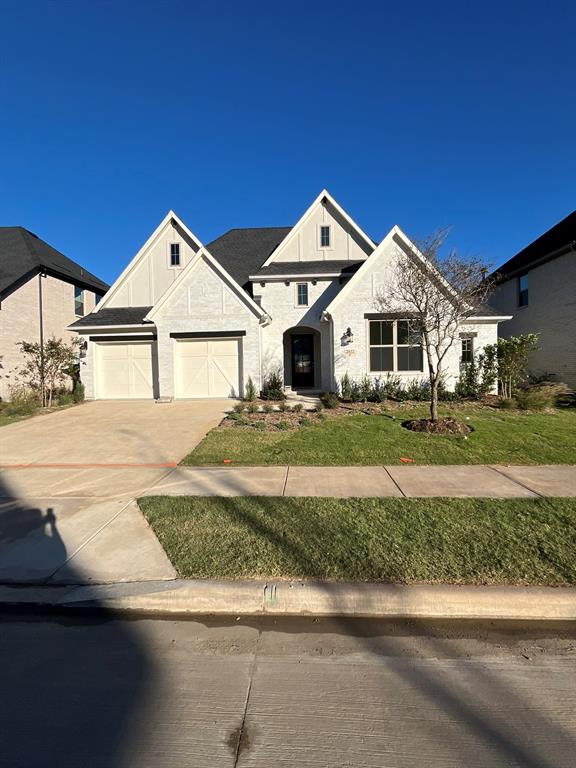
(188, 321)
(41, 293)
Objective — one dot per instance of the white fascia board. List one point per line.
(488, 318)
(302, 220)
(203, 253)
(117, 284)
(308, 275)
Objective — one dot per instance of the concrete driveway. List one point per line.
(68, 482)
(111, 432)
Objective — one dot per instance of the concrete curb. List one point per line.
(289, 598)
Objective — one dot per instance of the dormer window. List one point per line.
(325, 236)
(174, 254)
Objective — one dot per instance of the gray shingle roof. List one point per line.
(342, 267)
(23, 254)
(113, 316)
(243, 251)
(553, 241)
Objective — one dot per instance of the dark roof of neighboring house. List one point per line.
(552, 243)
(23, 254)
(243, 251)
(342, 267)
(113, 316)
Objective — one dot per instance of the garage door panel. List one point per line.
(125, 371)
(207, 368)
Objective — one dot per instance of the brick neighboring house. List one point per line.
(186, 320)
(41, 293)
(538, 287)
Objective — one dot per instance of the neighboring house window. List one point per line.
(97, 298)
(302, 294)
(78, 301)
(395, 345)
(467, 350)
(174, 254)
(325, 236)
(523, 291)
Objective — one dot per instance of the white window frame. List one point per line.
(321, 247)
(467, 339)
(394, 346)
(296, 297)
(169, 254)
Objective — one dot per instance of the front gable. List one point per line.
(150, 273)
(205, 293)
(303, 243)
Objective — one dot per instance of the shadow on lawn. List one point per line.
(468, 722)
(70, 693)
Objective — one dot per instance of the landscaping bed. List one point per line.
(365, 433)
(456, 541)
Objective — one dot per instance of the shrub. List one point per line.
(238, 418)
(392, 386)
(304, 421)
(346, 387)
(78, 392)
(321, 416)
(479, 375)
(417, 390)
(365, 389)
(538, 397)
(284, 407)
(298, 408)
(259, 425)
(24, 401)
(329, 400)
(252, 408)
(65, 398)
(273, 387)
(378, 391)
(267, 408)
(508, 403)
(239, 408)
(282, 425)
(250, 391)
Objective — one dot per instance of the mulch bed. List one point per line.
(447, 426)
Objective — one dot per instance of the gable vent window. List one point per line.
(523, 291)
(174, 254)
(302, 295)
(78, 301)
(325, 236)
(395, 345)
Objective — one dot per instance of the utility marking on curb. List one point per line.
(270, 594)
(170, 464)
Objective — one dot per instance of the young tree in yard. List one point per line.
(513, 356)
(48, 365)
(438, 294)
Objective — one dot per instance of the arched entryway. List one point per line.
(302, 358)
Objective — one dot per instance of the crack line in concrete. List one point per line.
(517, 482)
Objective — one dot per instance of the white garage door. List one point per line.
(207, 368)
(125, 370)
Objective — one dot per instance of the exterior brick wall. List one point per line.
(551, 312)
(20, 321)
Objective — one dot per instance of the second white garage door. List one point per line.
(125, 371)
(207, 368)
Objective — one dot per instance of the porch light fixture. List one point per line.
(348, 336)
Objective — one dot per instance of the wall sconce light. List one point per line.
(347, 337)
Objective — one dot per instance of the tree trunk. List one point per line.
(434, 400)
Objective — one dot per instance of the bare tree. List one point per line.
(438, 295)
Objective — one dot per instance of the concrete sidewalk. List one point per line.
(458, 481)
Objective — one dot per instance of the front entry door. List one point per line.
(302, 360)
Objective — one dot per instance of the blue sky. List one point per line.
(237, 114)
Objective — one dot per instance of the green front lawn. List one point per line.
(471, 541)
(499, 437)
